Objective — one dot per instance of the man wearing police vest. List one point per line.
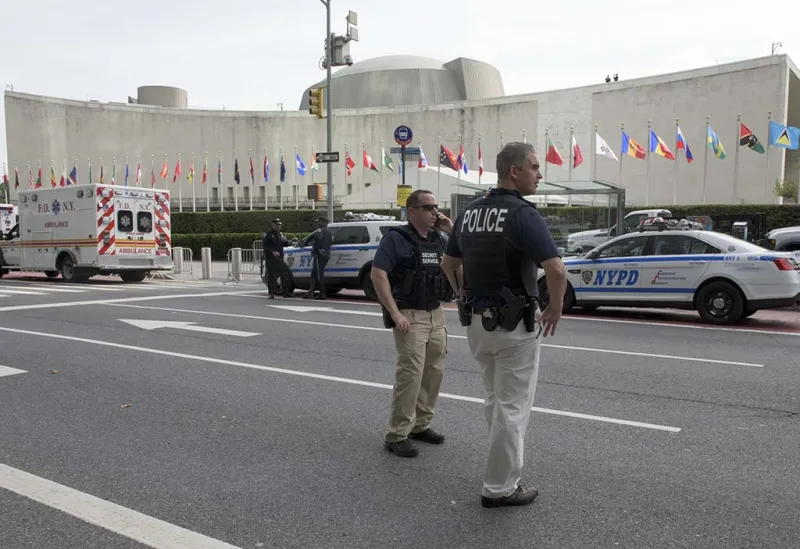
(491, 262)
(410, 286)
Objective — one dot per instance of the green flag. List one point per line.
(387, 159)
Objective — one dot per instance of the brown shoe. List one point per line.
(519, 497)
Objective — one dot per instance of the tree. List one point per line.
(786, 189)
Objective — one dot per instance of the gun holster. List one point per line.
(529, 316)
(388, 322)
(513, 311)
(464, 313)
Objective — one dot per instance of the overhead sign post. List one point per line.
(403, 136)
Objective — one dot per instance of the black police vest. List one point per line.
(490, 260)
(423, 286)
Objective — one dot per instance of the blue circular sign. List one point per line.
(403, 135)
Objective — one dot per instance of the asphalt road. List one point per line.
(123, 426)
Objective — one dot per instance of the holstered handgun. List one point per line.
(529, 315)
(464, 313)
(388, 322)
(511, 313)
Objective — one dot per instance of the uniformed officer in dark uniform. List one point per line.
(410, 254)
(321, 242)
(491, 261)
(273, 244)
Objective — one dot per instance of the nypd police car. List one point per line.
(354, 246)
(722, 277)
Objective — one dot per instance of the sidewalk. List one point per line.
(219, 273)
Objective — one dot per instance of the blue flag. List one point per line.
(783, 136)
(283, 170)
(126, 173)
(301, 167)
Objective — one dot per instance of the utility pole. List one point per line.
(337, 54)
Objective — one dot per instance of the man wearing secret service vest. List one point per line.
(491, 262)
(410, 286)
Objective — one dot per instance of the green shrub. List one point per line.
(220, 243)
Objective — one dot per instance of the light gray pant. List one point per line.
(509, 362)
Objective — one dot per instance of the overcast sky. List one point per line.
(254, 54)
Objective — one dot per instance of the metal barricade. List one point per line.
(243, 261)
(182, 263)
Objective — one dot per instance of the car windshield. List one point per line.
(741, 245)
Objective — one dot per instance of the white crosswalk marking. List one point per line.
(21, 287)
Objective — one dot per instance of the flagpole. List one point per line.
(571, 153)
(546, 135)
(594, 156)
(280, 154)
(439, 171)
(738, 145)
(480, 159)
(266, 187)
(767, 198)
(63, 173)
(194, 195)
(383, 165)
(208, 183)
(180, 186)
(345, 176)
(524, 139)
(675, 178)
(313, 159)
(621, 155)
(419, 171)
(252, 176)
(705, 159)
(647, 172)
(363, 177)
(501, 139)
(296, 182)
(458, 179)
(235, 184)
(152, 170)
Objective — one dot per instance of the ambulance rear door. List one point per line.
(134, 224)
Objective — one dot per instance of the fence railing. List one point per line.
(243, 262)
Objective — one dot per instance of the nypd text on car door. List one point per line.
(611, 271)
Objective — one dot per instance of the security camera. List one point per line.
(348, 60)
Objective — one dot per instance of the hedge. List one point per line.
(220, 243)
(570, 218)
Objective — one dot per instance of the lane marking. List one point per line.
(118, 300)
(670, 324)
(126, 522)
(189, 326)
(320, 376)
(7, 290)
(9, 371)
(44, 286)
(382, 329)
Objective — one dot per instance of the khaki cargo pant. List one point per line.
(420, 368)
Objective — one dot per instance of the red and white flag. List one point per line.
(577, 156)
(368, 162)
(480, 160)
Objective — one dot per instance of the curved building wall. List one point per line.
(162, 96)
(477, 80)
(41, 128)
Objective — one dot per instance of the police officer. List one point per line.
(273, 243)
(321, 242)
(410, 254)
(491, 262)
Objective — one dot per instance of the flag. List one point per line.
(63, 181)
(236, 177)
(602, 148)
(177, 172)
(164, 170)
(139, 173)
(283, 170)
(205, 171)
(30, 177)
(387, 159)
(632, 148)
(462, 160)
(783, 136)
(53, 182)
(126, 173)
(480, 159)
(266, 169)
(114, 174)
(301, 167)
(553, 156)
(349, 163)
(73, 176)
(152, 174)
(658, 146)
(746, 137)
(219, 171)
(190, 175)
(252, 172)
(577, 155)
(715, 144)
(16, 178)
(39, 178)
(423, 160)
(680, 143)
(447, 158)
(368, 162)
(314, 164)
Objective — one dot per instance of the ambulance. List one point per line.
(9, 216)
(80, 231)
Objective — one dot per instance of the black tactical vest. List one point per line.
(490, 261)
(424, 286)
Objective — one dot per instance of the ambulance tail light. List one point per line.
(106, 220)
(106, 193)
(786, 264)
(162, 198)
(162, 223)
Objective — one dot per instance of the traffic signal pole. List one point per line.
(329, 108)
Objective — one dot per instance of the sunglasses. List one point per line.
(428, 207)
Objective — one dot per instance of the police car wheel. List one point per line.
(720, 303)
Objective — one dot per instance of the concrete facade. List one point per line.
(45, 129)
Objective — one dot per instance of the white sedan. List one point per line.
(722, 277)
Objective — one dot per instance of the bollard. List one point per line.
(205, 257)
(236, 264)
(177, 260)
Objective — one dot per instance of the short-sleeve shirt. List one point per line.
(395, 253)
(527, 232)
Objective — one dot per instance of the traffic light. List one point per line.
(315, 100)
